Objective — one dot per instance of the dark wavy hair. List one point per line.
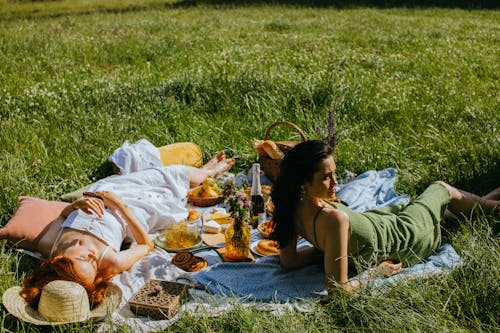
(298, 165)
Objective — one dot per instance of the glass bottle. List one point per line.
(257, 209)
(237, 240)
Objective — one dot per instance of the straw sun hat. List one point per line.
(61, 302)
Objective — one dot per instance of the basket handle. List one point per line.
(295, 127)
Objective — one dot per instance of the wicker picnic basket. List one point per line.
(271, 167)
(203, 202)
(158, 299)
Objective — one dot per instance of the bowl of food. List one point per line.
(266, 228)
(207, 194)
(198, 197)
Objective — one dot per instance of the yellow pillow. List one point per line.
(186, 153)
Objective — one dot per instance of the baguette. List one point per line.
(272, 150)
(257, 146)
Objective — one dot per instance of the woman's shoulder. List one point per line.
(48, 236)
(110, 260)
(333, 215)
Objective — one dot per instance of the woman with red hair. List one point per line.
(84, 244)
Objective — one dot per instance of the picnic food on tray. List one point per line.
(266, 192)
(211, 227)
(216, 221)
(267, 247)
(193, 215)
(270, 207)
(207, 194)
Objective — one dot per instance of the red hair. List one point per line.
(62, 268)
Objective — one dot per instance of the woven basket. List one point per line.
(158, 299)
(271, 167)
(203, 202)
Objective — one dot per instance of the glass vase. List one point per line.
(237, 240)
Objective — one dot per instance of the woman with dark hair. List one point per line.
(391, 237)
(84, 244)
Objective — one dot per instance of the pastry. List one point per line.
(267, 247)
(189, 262)
(193, 215)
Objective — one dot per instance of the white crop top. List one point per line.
(108, 229)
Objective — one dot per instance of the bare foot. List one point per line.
(214, 160)
(222, 166)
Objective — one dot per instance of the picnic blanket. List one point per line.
(265, 283)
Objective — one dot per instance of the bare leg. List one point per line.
(493, 195)
(463, 203)
(217, 165)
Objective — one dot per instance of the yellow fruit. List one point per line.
(210, 193)
(208, 183)
(197, 192)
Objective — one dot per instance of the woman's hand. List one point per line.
(89, 205)
(388, 268)
(110, 199)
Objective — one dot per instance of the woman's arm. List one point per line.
(124, 260)
(335, 227)
(290, 257)
(385, 268)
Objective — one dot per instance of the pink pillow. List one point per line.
(30, 219)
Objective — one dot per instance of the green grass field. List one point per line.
(416, 89)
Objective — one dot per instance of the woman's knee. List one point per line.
(453, 191)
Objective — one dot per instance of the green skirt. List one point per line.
(408, 234)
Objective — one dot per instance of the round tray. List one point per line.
(160, 242)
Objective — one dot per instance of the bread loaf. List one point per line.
(257, 146)
(272, 150)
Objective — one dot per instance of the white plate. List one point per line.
(253, 248)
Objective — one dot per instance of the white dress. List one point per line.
(156, 196)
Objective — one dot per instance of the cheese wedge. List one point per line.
(221, 218)
(211, 227)
(216, 216)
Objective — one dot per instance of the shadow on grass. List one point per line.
(486, 4)
(340, 4)
(483, 183)
(104, 170)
